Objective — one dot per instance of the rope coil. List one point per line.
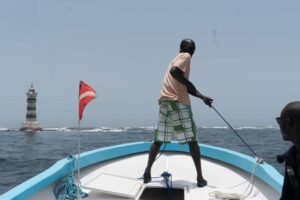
(67, 189)
(235, 196)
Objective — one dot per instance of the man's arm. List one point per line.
(178, 75)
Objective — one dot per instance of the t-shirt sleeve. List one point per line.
(182, 62)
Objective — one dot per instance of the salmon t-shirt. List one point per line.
(173, 89)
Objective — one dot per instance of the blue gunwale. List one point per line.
(62, 168)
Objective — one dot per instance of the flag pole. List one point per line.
(86, 94)
(78, 163)
(78, 157)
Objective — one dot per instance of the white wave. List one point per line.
(140, 128)
(95, 130)
(8, 129)
(103, 129)
(256, 127)
(148, 128)
(214, 127)
(110, 129)
(13, 129)
(120, 129)
(89, 130)
(241, 127)
(117, 130)
(4, 129)
(62, 129)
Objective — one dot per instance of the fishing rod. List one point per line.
(235, 131)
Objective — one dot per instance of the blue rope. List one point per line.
(67, 189)
(166, 177)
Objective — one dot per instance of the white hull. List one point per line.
(118, 178)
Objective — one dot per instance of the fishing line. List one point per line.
(161, 152)
(235, 131)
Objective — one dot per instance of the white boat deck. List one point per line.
(120, 179)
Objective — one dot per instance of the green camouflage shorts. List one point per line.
(175, 118)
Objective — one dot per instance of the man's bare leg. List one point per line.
(152, 156)
(195, 153)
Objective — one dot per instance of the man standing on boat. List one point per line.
(175, 114)
(289, 123)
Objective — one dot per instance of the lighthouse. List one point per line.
(31, 124)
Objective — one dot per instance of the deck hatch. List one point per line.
(116, 185)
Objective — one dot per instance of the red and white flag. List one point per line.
(86, 94)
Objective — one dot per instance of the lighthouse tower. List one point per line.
(31, 125)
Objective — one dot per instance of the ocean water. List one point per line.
(24, 155)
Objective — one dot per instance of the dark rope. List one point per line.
(235, 132)
(161, 152)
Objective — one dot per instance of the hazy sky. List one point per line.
(247, 58)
